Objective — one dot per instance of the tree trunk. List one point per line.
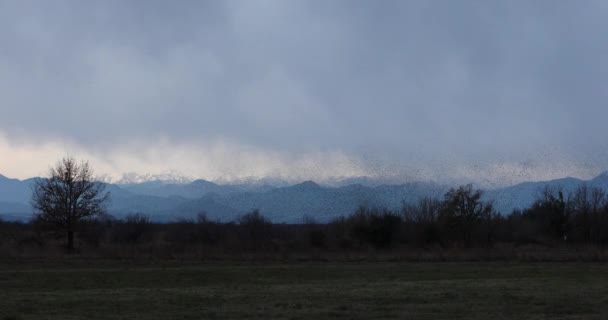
(70, 241)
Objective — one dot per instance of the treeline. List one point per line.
(458, 220)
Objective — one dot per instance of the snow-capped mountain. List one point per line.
(172, 177)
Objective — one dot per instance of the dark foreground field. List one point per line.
(125, 290)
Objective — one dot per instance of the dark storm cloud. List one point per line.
(444, 83)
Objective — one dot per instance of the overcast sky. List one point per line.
(487, 91)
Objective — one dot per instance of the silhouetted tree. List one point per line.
(68, 196)
(582, 209)
(463, 210)
(421, 219)
(137, 225)
(550, 211)
(256, 227)
(383, 228)
(424, 211)
(374, 226)
(587, 204)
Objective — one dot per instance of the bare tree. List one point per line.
(68, 196)
(463, 209)
(425, 210)
(551, 211)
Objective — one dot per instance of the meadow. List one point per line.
(126, 289)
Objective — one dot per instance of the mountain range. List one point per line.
(170, 200)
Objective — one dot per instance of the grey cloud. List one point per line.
(399, 83)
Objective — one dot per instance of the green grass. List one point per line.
(123, 290)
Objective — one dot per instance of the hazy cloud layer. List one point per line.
(495, 91)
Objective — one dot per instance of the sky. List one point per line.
(491, 92)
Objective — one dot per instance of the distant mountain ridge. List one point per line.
(174, 200)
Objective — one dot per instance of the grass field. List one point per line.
(124, 290)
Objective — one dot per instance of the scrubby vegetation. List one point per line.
(557, 226)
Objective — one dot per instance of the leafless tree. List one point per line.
(463, 209)
(425, 210)
(69, 195)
